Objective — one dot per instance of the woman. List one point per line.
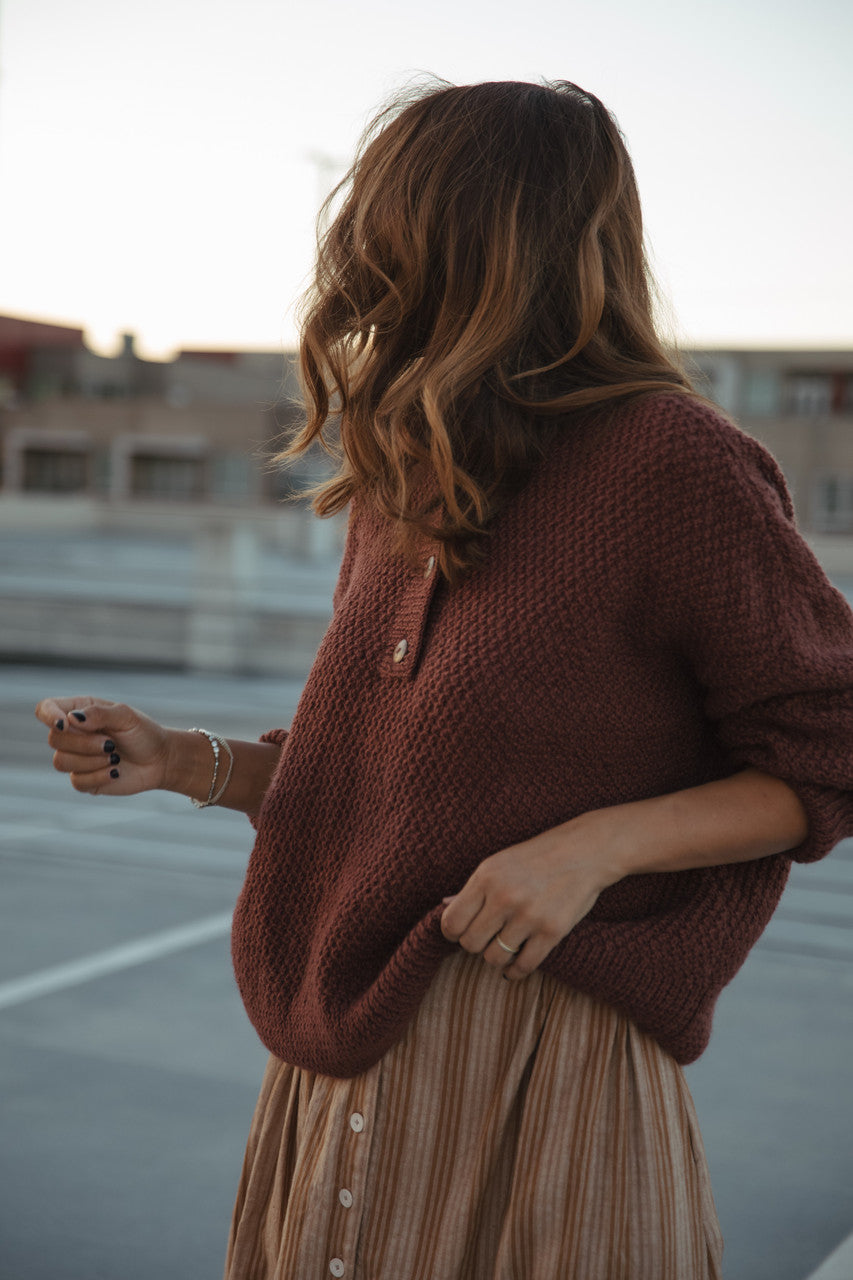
(585, 695)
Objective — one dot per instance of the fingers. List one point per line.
(53, 711)
(81, 743)
(85, 762)
(490, 911)
(97, 781)
(90, 769)
(479, 937)
(461, 912)
(511, 948)
(532, 952)
(87, 715)
(523, 950)
(476, 923)
(85, 726)
(478, 912)
(520, 902)
(82, 748)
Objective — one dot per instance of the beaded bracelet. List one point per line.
(216, 742)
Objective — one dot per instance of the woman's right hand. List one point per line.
(107, 748)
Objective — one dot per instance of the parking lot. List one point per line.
(130, 1072)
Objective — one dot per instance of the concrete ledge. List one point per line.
(189, 588)
(246, 642)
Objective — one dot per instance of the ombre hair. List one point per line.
(482, 287)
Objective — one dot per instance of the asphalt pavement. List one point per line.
(129, 1071)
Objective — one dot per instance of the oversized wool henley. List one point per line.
(648, 618)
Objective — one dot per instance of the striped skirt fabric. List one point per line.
(518, 1131)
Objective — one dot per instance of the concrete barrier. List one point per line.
(185, 586)
(201, 589)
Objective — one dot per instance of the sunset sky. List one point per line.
(158, 174)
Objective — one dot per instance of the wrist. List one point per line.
(189, 764)
(612, 836)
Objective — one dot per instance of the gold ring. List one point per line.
(513, 951)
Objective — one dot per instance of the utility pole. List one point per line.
(327, 170)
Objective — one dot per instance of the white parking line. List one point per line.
(45, 982)
(839, 1264)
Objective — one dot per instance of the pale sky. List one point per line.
(156, 172)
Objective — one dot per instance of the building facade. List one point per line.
(800, 405)
(203, 427)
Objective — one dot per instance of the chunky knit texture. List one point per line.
(648, 619)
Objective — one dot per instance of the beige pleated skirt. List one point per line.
(518, 1131)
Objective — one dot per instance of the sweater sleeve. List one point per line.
(743, 598)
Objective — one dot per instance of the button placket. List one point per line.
(351, 1173)
(408, 624)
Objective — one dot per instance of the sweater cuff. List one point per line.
(830, 817)
(277, 737)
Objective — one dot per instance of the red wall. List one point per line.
(18, 337)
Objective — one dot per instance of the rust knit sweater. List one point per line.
(648, 619)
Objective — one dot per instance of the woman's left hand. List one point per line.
(532, 894)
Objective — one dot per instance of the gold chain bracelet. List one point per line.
(218, 744)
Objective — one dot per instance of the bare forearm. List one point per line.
(738, 819)
(523, 899)
(191, 765)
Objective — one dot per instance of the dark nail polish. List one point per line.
(115, 758)
(78, 715)
(109, 746)
(60, 724)
(113, 773)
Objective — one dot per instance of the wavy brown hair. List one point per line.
(483, 286)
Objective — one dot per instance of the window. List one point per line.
(809, 393)
(161, 476)
(761, 394)
(834, 504)
(55, 470)
(230, 476)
